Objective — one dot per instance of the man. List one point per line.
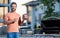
(12, 19)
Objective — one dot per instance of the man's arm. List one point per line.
(8, 22)
(25, 17)
(20, 22)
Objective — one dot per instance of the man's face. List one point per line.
(13, 7)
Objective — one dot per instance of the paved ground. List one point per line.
(25, 36)
(32, 36)
(19, 37)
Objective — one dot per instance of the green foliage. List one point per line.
(50, 8)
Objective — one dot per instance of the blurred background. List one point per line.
(44, 17)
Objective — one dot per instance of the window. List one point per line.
(3, 1)
(3, 11)
(4, 8)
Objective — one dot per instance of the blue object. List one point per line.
(12, 35)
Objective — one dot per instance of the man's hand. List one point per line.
(15, 19)
(25, 17)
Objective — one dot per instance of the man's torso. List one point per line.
(14, 26)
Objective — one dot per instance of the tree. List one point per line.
(50, 8)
